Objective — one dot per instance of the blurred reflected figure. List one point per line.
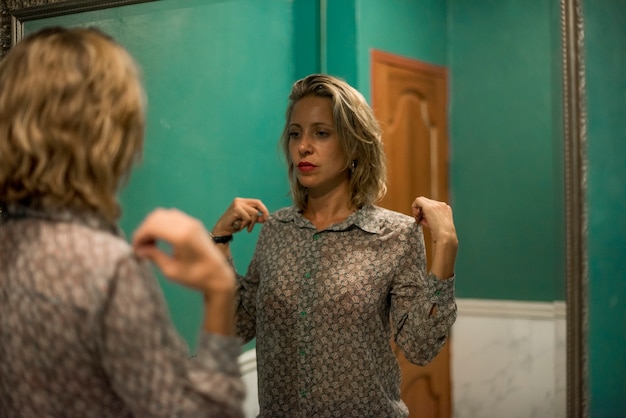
(84, 329)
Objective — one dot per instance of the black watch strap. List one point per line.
(222, 239)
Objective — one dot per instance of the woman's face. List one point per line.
(318, 160)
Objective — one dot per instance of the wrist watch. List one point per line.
(222, 239)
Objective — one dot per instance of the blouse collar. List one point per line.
(367, 218)
(13, 211)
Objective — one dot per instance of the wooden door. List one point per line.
(409, 99)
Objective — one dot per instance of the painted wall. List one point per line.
(605, 40)
(507, 152)
(350, 29)
(506, 145)
(217, 75)
(414, 29)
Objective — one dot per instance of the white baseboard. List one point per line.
(511, 308)
(247, 361)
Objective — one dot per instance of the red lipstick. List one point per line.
(305, 166)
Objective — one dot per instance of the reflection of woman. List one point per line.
(84, 330)
(334, 277)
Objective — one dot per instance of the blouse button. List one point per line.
(302, 314)
(307, 275)
(437, 293)
(316, 237)
(303, 393)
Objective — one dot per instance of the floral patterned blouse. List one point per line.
(324, 305)
(84, 330)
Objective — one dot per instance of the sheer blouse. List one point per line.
(85, 332)
(324, 305)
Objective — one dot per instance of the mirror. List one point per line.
(18, 14)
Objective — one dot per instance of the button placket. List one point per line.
(304, 318)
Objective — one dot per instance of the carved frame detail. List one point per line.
(13, 14)
(575, 165)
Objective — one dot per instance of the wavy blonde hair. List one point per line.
(71, 121)
(359, 134)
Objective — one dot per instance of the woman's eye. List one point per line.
(293, 135)
(323, 134)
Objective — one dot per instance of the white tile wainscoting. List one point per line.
(507, 360)
(247, 364)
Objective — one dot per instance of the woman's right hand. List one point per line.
(194, 260)
(243, 213)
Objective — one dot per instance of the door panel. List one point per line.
(409, 99)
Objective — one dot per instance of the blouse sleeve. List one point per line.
(414, 293)
(146, 360)
(245, 300)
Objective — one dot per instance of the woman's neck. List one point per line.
(327, 210)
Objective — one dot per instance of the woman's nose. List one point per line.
(305, 146)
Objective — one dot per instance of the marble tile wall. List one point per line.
(247, 365)
(508, 360)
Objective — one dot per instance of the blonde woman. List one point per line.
(84, 330)
(334, 277)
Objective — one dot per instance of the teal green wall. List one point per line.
(217, 74)
(506, 148)
(339, 44)
(413, 29)
(306, 38)
(350, 29)
(605, 43)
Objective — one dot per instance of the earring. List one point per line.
(353, 165)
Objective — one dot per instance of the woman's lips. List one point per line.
(305, 167)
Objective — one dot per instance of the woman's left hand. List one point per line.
(436, 216)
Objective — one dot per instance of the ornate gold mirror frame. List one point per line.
(575, 165)
(14, 13)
